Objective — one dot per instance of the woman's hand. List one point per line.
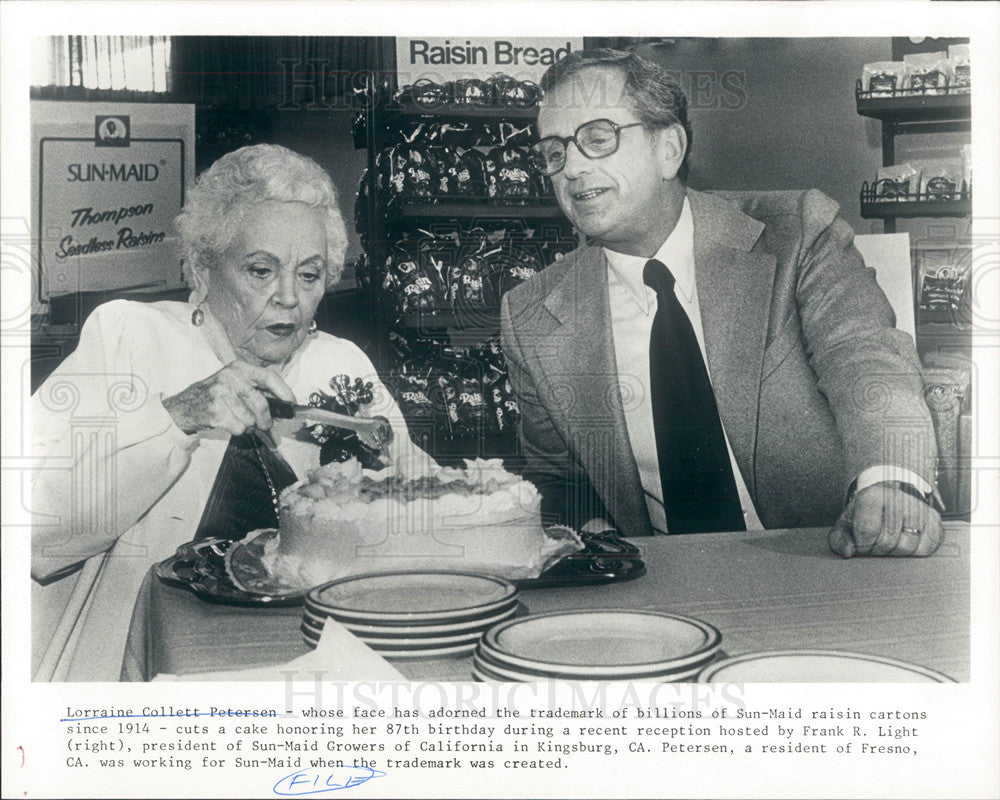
(231, 400)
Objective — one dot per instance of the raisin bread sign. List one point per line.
(451, 58)
(107, 181)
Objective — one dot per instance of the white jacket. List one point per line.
(116, 482)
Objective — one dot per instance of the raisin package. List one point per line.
(930, 73)
(509, 176)
(885, 78)
(897, 182)
(943, 277)
(940, 179)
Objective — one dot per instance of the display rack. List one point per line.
(907, 111)
(907, 106)
(917, 204)
(381, 126)
(943, 335)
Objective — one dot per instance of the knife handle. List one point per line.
(376, 432)
(280, 409)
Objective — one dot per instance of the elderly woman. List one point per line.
(148, 435)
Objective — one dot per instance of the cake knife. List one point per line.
(375, 432)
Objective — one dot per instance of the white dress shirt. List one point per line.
(633, 306)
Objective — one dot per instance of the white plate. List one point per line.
(817, 666)
(435, 652)
(622, 642)
(506, 673)
(485, 676)
(406, 644)
(423, 644)
(434, 630)
(407, 598)
(466, 648)
(488, 660)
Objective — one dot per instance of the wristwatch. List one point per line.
(931, 498)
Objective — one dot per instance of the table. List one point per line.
(764, 590)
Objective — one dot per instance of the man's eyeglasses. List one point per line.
(595, 139)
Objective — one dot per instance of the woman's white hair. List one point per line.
(214, 208)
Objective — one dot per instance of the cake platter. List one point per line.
(207, 568)
(604, 559)
(201, 567)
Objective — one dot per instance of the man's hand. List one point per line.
(883, 520)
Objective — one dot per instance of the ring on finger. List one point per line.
(909, 540)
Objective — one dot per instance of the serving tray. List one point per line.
(206, 567)
(200, 567)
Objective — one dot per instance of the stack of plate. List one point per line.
(412, 614)
(597, 645)
(817, 666)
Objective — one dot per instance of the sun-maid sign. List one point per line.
(108, 180)
(454, 57)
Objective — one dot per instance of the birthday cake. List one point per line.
(345, 520)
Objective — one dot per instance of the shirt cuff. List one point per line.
(887, 472)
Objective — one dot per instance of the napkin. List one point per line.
(339, 656)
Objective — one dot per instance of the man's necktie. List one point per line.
(699, 492)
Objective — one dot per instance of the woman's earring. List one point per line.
(313, 327)
(197, 317)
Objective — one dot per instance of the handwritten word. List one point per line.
(83, 714)
(305, 781)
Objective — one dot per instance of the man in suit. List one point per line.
(706, 361)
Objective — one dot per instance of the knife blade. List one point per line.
(374, 431)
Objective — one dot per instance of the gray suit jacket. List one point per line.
(812, 380)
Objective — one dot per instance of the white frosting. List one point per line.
(491, 522)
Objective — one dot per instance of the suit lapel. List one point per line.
(583, 360)
(734, 283)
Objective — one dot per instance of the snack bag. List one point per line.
(930, 72)
(412, 173)
(471, 92)
(943, 279)
(416, 273)
(940, 179)
(382, 161)
(508, 91)
(411, 393)
(520, 135)
(473, 415)
(897, 182)
(460, 172)
(517, 263)
(885, 78)
(958, 56)
(504, 404)
(496, 386)
(425, 93)
(469, 283)
(509, 174)
(445, 397)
